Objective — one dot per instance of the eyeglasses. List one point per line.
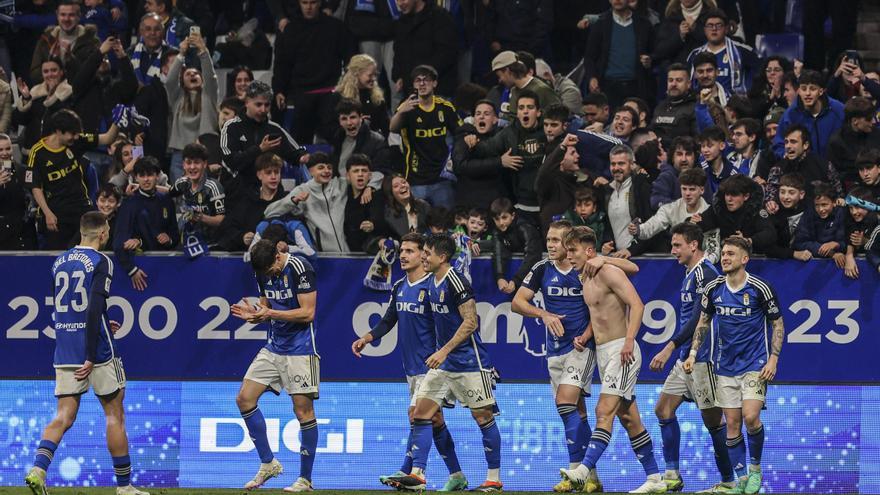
(714, 25)
(422, 80)
(773, 69)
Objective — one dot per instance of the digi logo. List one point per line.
(278, 295)
(439, 309)
(429, 133)
(729, 311)
(564, 291)
(223, 435)
(408, 307)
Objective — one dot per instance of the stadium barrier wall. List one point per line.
(184, 353)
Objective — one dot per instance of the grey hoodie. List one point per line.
(324, 210)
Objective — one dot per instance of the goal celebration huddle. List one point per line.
(726, 347)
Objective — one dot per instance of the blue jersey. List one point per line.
(446, 296)
(562, 292)
(741, 342)
(285, 337)
(692, 288)
(82, 278)
(410, 309)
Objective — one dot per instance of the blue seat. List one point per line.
(788, 45)
(794, 16)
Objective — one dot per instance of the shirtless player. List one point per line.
(616, 315)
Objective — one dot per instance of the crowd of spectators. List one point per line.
(343, 125)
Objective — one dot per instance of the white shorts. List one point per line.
(618, 379)
(731, 391)
(298, 375)
(472, 388)
(415, 381)
(573, 368)
(105, 379)
(698, 387)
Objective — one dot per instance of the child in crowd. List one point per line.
(859, 227)
(820, 230)
(555, 121)
(787, 217)
(512, 235)
(586, 211)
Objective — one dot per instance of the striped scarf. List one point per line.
(140, 56)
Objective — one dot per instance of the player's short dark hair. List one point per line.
(484, 101)
(528, 93)
(557, 112)
(794, 180)
(268, 160)
(824, 189)
(678, 67)
(687, 143)
(109, 190)
(258, 89)
(867, 158)
(501, 205)
(694, 176)
(809, 76)
(263, 255)
(442, 245)
(439, 217)
(713, 133)
(739, 242)
(580, 235)
(348, 105)
(583, 194)
(717, 13)
(195, 151)
(274, 233)
(705, 58)
(232, 103)
(63, 121)
(147, 165)
(414, 237)
(318, 157)
(358, 159)
(858, 107)
(424, 71)
(597, 99)
(481, 213)
(690, 231)
(805, 133)
(751, 126)
(91, 221)
(560, 225)
(736, 185)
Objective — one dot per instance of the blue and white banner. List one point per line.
(181, 327)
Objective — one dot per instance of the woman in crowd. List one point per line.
(768, 88)
(237, 82)
(360, 83)
(404, 213)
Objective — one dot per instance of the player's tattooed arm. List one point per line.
(701, 331)
(468, 312)
(778, 337)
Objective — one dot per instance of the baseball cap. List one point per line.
(503, 59)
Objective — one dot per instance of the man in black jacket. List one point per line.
(372, 26)
(425, 35)
(364, 224)
(478, 178)
(519, 25)
(246, 209)
(354, 136)
(737, 211)
(675, 116)
(799, 158)
(617, 60)
(512, 235)
(309, 56)
(857, 133)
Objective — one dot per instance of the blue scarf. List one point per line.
(379, 275)
(140, 56)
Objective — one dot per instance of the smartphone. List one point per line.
(274, 137)
(853, 56)
(6, 165)
(137, 152)
(195, 30)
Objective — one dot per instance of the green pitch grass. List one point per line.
(211, 491)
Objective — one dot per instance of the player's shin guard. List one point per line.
(722, 457)
(122, 469)
(644, 449)
(446, 448)
(45, 453)
(736, 449)
(406, 467)
(671, 435)
(308, 431)
(598, 443)
(256, 426)
(421, 443)
(756, 445)
(491, 444)
(571, 420)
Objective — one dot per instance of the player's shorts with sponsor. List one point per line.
(698, 387)
(472, 388)
(572, 368)
(298, 375)
(618, 378)
(105, 379)
(731, 391)
(415, 381)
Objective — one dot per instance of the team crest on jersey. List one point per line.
(442, 295)
(746, 299)
(531, 146)
(69, 153)
(286, 281)
(421, 295)
(199, 198)
(165, 213)
(725, 59)
(440, 117)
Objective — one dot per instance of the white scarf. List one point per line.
(691, 14)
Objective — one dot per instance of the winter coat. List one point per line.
(479, 179)
(844, 147)
(242, 216)
(785, 222)
(96, 96)
(598, 51)
(427, 37)
(821, 127)
(520, 24)
(520, 237)
(530, 144)
(813, 231)
(368, 142)
(639, 207)
(48, 46)
(750, 219)
(34, 112)
(674, 118)
(811, 167)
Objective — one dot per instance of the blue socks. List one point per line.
(45, 453)
(256, 426)
(308, 431)
(491, 444)
(736, 449)
(584, 435)
(671, 435)
(722, 458)
(644, 449)
(598, 443)
(122, 469)
(421, 443)
(574, 434)
(756, 446)
(446, 448)
(406, 467)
